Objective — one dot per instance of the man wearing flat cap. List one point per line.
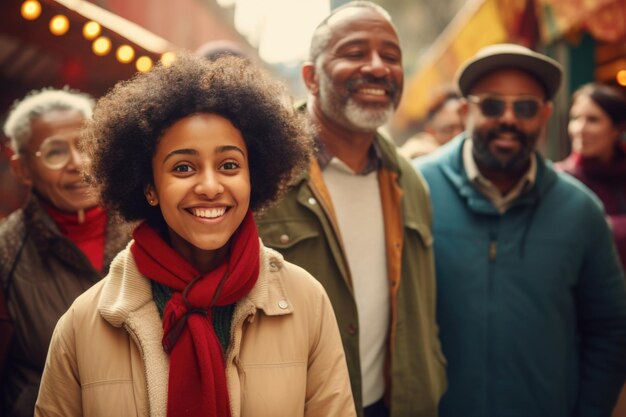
(531, 298)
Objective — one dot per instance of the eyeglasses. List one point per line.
(524, 107)
(55, 153)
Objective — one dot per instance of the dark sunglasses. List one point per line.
(495, 106)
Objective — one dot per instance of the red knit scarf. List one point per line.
(197, 379)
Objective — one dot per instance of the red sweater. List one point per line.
(88, 236)
(608, 182)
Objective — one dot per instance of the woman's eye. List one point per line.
(182, 168)
(230, 165)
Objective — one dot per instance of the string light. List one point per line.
(101, 46)
(168, 58)
(621, 77)
(143, 64)
(31, 9)
(59, 25)
(125, 54)
(91, 30)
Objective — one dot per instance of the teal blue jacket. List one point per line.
(300, 226)
(531, 303)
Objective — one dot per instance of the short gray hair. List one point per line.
(322, 33)
(38, 102)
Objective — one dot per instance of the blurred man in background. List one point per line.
(443, 122)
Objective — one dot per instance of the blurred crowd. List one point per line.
(196, 243)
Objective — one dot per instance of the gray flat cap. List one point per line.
(546, 70)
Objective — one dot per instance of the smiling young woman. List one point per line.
(197, 317)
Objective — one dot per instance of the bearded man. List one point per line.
(359, 220)
(531, 300)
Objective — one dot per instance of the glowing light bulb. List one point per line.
(143, 64)
(125, 54)
(168, 58)
(101, 46)
(621, 77)
(59, 25)
(91, 30)
(31, 9)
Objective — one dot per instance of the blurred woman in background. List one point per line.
(596, 127)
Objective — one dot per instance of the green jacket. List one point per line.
(301, 227)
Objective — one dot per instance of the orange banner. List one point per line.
(609, 22)
(605, 20)
(479, 23)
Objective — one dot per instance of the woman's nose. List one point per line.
(209, 185)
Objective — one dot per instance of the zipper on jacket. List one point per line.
(489, 349)
(492, 251)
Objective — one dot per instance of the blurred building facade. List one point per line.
(32, 57)
(90, 47)
(586, 36)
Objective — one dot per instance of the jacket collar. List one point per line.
(126, 290)
(43, 229)
(324, 157)
(387, 152)
(126, 301)
(453, 168)
(383, 151)
(48, 239)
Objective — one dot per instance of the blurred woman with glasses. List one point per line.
(596, 128)
(57, 245)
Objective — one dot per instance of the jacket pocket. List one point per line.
(277, 390)
(287, 234)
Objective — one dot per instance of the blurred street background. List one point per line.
(90, 45)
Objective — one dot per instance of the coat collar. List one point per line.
(126, 301)
(451, 156)
(48, 239)
(126, 290)
(384, 150)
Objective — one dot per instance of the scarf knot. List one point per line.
(177, 325)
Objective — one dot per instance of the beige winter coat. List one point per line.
(285, 356)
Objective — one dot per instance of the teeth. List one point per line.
(210, 213)
(373, 91)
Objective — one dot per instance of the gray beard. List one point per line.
(367, 119)
(363, 119)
